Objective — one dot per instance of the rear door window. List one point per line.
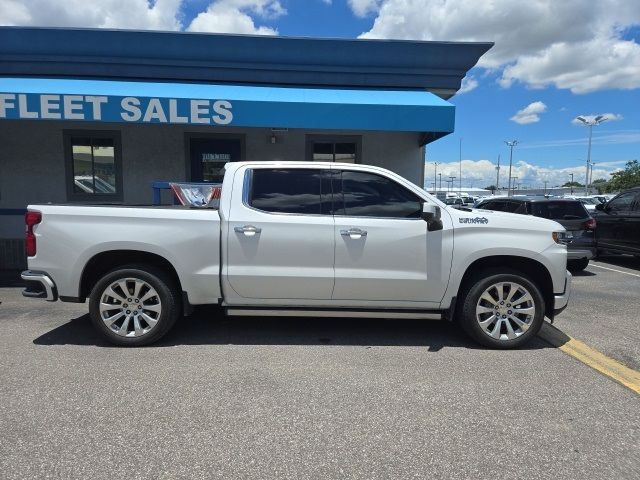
(559, 210)
(296, 190)
(498, 205)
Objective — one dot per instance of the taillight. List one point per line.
(590, 224)
(31, 219)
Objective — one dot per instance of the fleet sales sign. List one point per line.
(99, 108)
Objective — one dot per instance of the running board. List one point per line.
(332, 312)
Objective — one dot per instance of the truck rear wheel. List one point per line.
(501, 310)
(134, 305)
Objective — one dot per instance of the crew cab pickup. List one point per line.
(301, 239)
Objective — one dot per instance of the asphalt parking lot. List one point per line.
(305, 398)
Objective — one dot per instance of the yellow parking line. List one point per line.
(591, 357)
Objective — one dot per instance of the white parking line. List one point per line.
(614, 270)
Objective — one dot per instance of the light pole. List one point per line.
(571, 184)
(460, 178)
(514, 184)
(510, 144)
(435, 174)
(452, 179)
(590, 122)
(440, 178)
(545, 186)
(498, 174)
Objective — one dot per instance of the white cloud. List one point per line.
(224, 16)
(139, 14)
(530, 113)
(482, 173)
(233, 16)
(468, 83)
(362, 8)
(572, 44)
(607, 117)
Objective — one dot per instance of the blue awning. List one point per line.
(225, 105)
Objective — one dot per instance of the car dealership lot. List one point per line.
(258, 397)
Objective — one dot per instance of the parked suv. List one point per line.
(571, 214)
(619, 223)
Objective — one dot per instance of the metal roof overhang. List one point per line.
(227, 105)
(130, 55)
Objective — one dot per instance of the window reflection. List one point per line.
(287, 191)
(334, 152)
(369, 195)
(94, 169)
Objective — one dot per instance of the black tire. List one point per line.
(577, 265)
(470, 296)
(168, 297)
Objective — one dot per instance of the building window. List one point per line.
(345, 149)
(93, 166)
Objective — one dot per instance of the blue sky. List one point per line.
(563, 59)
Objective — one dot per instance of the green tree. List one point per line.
(573, 184)
(624, 179)
(600, 184)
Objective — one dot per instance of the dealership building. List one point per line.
(98, 116)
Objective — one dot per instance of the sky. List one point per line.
(552, 61)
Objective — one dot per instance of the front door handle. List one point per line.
(248, 230)
(354, 233)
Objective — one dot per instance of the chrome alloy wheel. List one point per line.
(130, 307)
(505, 310)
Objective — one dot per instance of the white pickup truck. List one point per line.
(301, 239)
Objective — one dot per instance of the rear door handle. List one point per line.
(248, 230)
(354, 233)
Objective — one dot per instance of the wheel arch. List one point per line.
(103, 262)
(533, 269)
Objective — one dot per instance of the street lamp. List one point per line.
(440, 178)
(498, 174)
(590, 122)
(452, 179)
(435, 174)
(510, 144)
(571, 184)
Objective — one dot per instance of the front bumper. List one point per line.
(560, 300)
(39, 285)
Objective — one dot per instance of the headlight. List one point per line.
(563, 238)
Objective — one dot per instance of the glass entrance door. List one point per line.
(209, 155)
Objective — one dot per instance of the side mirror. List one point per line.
(600, 207)
(431, 214)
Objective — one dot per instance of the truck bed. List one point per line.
(73, 235)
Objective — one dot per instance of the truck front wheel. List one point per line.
(501, 310)
(134, 305)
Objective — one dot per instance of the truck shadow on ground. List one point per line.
(209, 326)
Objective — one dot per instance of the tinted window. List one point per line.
(289, 191)
(493, 205)
(514, 207)
(360, 194)
(565, 210)
(622, 203)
